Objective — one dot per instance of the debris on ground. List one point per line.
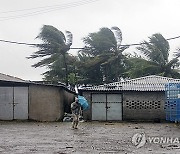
(68, 118)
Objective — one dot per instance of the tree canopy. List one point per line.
(154, 59)
(102, 55)
(53, 53)
(102, 59)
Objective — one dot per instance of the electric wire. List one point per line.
(52, 6)
(45, 9)
(33, 44)
(66, 6)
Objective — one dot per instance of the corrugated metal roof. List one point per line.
(4, 77)
(147, 83)
(7, 79)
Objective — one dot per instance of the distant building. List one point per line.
(137, 99)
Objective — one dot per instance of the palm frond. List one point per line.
(50, 34)
(177, 53)
(45, 50)
(162, 44)
(69, 37)
(46, 61)
(100, 42)
(157, 49)
(172, 62)
(118, 35)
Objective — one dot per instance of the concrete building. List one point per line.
(23, 100)
(137, 99)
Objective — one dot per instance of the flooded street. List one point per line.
(91, 137)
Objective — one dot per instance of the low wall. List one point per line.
(46, 103)
(143, 105)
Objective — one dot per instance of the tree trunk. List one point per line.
(66, 69)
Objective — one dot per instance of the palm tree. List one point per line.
(155, 59)
(55, 46)
(56, 72)
(105, 53)
(177, 53)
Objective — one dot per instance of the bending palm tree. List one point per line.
(55, 45)
(155, 60)
(103, 52)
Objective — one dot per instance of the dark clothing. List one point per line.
(75, 108)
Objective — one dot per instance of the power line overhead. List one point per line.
(33, 44)
(41, 10)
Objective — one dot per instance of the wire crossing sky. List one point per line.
(31, 44)
(41, 10)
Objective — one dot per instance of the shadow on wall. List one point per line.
(68, 99)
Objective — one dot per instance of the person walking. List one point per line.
(76, 109)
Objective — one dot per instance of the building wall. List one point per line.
(143, 105)
(68, 99)
(45, 103)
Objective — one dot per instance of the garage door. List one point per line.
(13, 103)
(6, 103)
(99, 107)
(106, 107)
(21, 103)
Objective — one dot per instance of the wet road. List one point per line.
(91, 137)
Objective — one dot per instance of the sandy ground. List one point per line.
(91, 137)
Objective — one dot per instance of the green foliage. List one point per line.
(53, 53)
(72, 79)
(138, 67)
(57, 71)
(102, 59)
(100, 42)
(155, 61)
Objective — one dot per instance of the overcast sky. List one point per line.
(137, 19)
